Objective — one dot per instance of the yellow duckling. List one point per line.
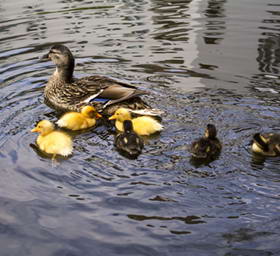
(78, 121)
(52, 141)
(143, 125)
(207, 147)
(266, 144)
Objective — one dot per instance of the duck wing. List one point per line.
(105, 88)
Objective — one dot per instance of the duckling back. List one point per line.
(146, 125)
(205, 148)
(75, 121)
(55, 142)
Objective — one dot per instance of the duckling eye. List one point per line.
(56, 56)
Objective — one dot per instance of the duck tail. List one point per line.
(259, 139)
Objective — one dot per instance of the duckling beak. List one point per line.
(97, 115)
(35, 129)
(45, 57)
(113, 117)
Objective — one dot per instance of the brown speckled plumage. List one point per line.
(65, 93)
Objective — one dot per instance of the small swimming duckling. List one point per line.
(78, 121)
(52, 141)
(129, 142)
(208, 146)
(266, 144)
(143, 125)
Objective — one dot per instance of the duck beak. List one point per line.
(35, 129)
(45, 57)
(113, 117)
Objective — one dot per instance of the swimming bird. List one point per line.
(65, 93)
(79, 120)
(129, 142)
(266, 144)
(142, 125)
(52, 141)
(208, 146)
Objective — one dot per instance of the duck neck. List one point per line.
(64, 72)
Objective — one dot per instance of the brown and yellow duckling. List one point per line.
(142, 125)
(79, 120)
(208, 146)
(52, 141)
(266, 144)
(65, 93)
(129, 142)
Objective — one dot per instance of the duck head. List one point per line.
(62, 57)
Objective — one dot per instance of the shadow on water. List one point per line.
(202, 62)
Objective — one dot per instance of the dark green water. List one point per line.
(202, 61)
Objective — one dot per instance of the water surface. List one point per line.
(203, 62)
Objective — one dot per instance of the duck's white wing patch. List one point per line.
(91, 97)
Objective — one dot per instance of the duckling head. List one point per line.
(90, 111)
(210, 132)
(121, 115)
(62, 57)
(44, 127)
(260, 143)
(127, 126)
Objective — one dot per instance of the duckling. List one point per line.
(208, 146)
(266, 144)
(129, 142)
(78, 121)
(51, 141)
(143, 125)
(65, 93)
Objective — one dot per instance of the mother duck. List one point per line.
(64, 93)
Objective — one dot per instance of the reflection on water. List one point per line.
(215, 26)
(202, 61)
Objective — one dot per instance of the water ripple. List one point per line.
(187, 54)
